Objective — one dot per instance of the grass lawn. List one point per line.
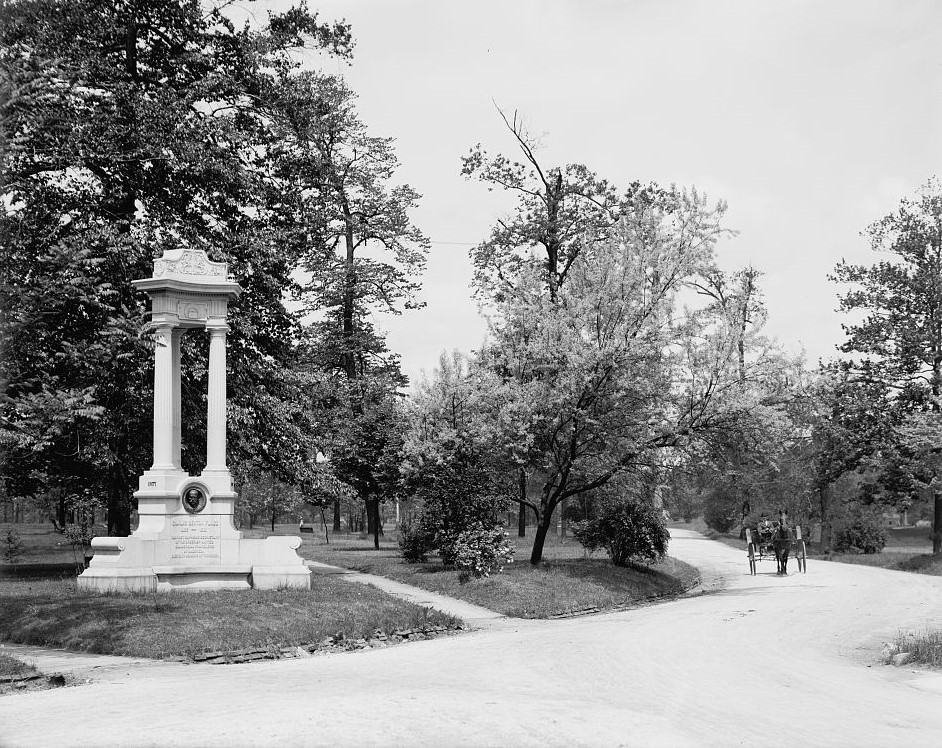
(565, 583)
(42, 549)
(11, 667)
(18, 676)
(56, 613)
(40, 603)
(918, 563)
(926, 648)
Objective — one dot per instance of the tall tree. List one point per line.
(899, 341)
(558, 210)
(608, 377)
(363, 253)
(128, 128)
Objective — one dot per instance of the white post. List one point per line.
(163, 398)
(216, 398)
(176, 334)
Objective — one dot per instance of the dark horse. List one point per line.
(781, 544)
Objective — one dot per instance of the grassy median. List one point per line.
(566, 582)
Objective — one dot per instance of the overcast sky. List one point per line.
(811, 118)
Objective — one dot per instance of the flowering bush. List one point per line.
(482, 550)
(450, 499)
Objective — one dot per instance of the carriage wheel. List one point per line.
(802, 558)
(752, 559)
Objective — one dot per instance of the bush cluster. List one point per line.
(459, 518)
(415, 543)
(862, 535)
(12, 546)
(721, 513)
(631, 532)
(482, 550)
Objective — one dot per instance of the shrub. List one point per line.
(454, 499)
(415, 542)
(862, 534)
(481, 551)
(630, 532)
(721, 513)
(12, 546)
(589, 534)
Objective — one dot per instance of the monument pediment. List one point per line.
(189, 270)
(189, 263)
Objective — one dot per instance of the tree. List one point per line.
(363, 254)
(857, 445)
(609, 376)
(558, 211)
(128, 128)
(450, 470)
(737, 299)
(899, 341)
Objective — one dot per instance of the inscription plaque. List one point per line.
(194, 538)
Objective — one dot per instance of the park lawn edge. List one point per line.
(218, 626)
(557, 588)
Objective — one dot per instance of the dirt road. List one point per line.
(754, 661)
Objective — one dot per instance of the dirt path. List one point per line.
(767, 660)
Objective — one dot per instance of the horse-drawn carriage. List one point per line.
(778, 541)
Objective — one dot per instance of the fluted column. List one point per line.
(176, 335)
(163, 397)
(216, 397)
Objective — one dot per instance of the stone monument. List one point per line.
(186, 538)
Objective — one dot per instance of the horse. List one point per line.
(781, 544)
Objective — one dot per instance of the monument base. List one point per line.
(186, 540)
(135, 564)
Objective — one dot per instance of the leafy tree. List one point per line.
(757, 466)
(610, 376)
(450, 468)
(558, 211)
(737, 299)
(363, 255)
(128, 128)
(898, 343)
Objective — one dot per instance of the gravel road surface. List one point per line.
(757, 661)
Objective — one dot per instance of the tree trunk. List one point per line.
(372, 519)
(937, 522)
(336, 515)
(824, 506)
(522, 515)
(324, 520)
(542, 530)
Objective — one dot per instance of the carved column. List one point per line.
(164, 405)
(216, 397)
